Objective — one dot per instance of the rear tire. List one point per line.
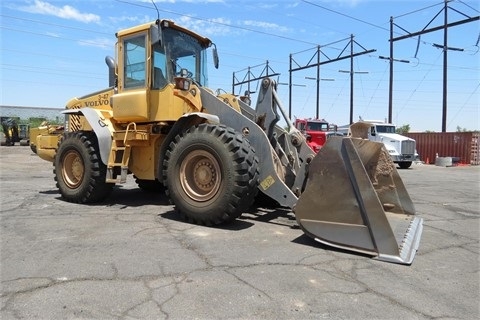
(211, 174)
(79, 171)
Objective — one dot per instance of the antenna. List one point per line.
(158, 13)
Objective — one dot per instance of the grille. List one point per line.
(74, 123)
(408, 147)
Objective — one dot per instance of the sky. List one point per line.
(53, 50)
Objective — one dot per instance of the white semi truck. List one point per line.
(402, 149)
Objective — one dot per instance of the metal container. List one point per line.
(463, 147)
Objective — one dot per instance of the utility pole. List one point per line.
(329, 60)
(445, 48)
(351, 77)
(249, 76)
(445, 61)
(390, 81)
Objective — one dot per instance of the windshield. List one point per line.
(385, 129)
(183, 51)
(317, 126)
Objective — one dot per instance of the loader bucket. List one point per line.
(355, 200)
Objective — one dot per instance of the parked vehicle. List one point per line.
(401, 149)
(14, 131)
(316, 131)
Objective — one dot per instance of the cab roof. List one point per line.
(164, 24)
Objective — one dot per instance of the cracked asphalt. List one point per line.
(132, 258)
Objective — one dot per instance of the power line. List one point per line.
(53, 24)
(418, 86)
(464, 104)
(301, 20)
(36, 54)
(37, 69)
(345, 15)
(51, 84)
(219, 23)
(418, 10)
(86, 42)
(468, 5)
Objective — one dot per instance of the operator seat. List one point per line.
(159, 80)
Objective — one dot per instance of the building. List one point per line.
(26, 113)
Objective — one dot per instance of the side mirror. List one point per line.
(215, 56)
(155, 34)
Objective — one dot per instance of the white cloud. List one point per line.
(267, 6)
(131, 19)
(187, 1)
(265, 25)
(346, 3)
(65, 12)
(52, 34)
(291, 5)
(206, 28)
(103, 43)
(157, 1)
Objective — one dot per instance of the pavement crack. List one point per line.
(249, 285)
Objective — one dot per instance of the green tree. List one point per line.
(460, 129)
(403, 129)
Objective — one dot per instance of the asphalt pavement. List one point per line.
(131, 257)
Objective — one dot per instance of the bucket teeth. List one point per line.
(355, 200)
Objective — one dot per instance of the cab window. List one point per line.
(134, 62)
(160, 76)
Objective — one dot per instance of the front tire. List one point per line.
(79, 171)
(211, 174)
(405, 165)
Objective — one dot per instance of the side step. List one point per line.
(120, 152)
(355, 200)
(124, 154)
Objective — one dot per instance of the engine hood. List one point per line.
(394, 136)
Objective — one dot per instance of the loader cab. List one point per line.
(150, 57)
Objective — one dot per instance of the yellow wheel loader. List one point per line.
(214, 155)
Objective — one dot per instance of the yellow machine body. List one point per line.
(213, 154)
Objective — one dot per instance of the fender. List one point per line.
(184, 122)
(211, 118)
(100, 126)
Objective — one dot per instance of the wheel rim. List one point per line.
(200, 175)
(73, 169)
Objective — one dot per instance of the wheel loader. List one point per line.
(13, 132)
(214, 155)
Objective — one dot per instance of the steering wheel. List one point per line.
(184, 73)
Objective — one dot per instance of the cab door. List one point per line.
(131, 103)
